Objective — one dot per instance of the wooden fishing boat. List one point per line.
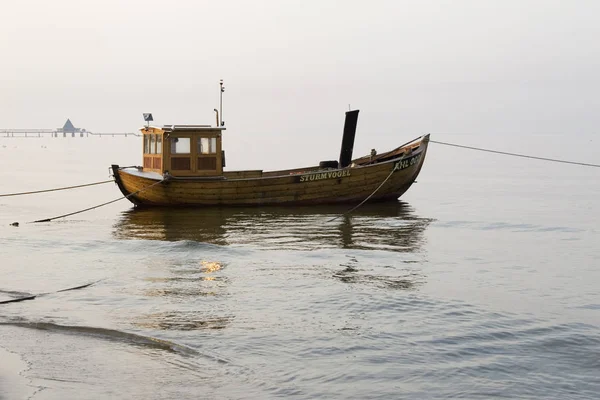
(183, 165)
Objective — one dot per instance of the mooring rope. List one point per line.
(99, 205)
(516, 154)
(33, 296)
(94, 207)
(56, 189)
(371, 195)
(470, 148)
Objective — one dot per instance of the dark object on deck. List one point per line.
(14, 224)
(348, 138)
(328, 164)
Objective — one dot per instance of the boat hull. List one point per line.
(348, 185)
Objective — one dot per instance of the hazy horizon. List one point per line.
(291, 69)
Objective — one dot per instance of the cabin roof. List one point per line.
(192, 128)
(173, 128)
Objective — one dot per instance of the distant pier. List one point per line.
(67, 130)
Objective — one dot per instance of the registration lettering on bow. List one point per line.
(407, 162)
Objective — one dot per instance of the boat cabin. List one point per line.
(183, 150)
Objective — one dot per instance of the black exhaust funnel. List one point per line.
(348, 138)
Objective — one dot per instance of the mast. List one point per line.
(221, 102)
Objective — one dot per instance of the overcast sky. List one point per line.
(291, 68)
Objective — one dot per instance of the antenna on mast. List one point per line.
(221, 102)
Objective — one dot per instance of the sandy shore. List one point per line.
(12, 384)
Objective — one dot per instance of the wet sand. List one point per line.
(12, 384)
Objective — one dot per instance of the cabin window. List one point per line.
(158, 144)
(207, 146)
(152, 144)
(180, 145)
(147, 144)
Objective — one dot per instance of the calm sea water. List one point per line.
(482, 282)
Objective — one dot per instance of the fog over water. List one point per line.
(292, 68)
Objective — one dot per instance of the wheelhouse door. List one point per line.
(181, 161)
(208, 156)
(153, 151)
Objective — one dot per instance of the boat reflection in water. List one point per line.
(383, 226)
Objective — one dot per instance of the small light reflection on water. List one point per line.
(209, 267)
